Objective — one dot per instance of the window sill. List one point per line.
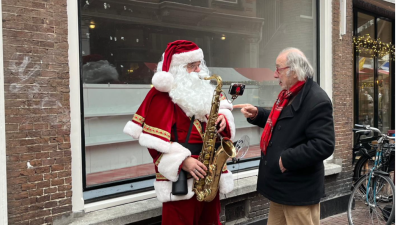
(148, 206)
(333, 166)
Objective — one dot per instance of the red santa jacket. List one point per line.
(152, 125)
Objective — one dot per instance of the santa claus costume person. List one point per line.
(170, 123)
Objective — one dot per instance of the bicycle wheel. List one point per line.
(364, 164)
(379, 208)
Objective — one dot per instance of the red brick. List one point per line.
(62, 209)
(45, 198)
(25, 187)
(43, 184)
(56, 182)
(37, 192)
(57, 196)
(50, 190)
(36, 221)
(35, 178)
(57, 167)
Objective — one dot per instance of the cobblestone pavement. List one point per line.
(339, 219)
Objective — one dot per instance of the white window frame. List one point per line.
(3, 161)
(74, 71)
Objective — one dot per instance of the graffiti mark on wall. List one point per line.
(25, 85)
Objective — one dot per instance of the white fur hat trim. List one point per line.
(162, 81)
(187, 57)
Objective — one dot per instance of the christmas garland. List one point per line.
(374, 48)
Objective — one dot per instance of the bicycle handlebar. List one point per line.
(368, 127)
(359, 125)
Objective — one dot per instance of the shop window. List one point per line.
(121, 44)
(374, 74)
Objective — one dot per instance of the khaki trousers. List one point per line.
(293, 215)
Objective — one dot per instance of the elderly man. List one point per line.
(170, 123)
(298, 135)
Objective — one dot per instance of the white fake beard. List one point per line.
(192, 94)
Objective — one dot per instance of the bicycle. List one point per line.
(372, 200)
(367, 151)
(362, 150)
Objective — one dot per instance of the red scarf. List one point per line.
(281, 102)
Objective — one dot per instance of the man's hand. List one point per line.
(194, 167)
(222, 123)
(283, 169)
(248, 110)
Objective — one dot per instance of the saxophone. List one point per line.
(206, 188)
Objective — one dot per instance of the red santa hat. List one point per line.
(180, 52)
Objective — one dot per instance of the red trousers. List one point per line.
(191, 212)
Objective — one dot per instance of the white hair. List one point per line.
(298, 63)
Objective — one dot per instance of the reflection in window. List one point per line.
(384, 29)
(374, 74)
(121, 44)
(366, 90)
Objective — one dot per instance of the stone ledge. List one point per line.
(148, 208)
(122, 214)
(333, 167)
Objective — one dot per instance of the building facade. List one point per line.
(75, 71)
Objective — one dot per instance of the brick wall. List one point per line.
(343, 110)
(255, 207)
(37, 110)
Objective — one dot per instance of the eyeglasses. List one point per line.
(280, 69)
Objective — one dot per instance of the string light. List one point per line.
(375, 48)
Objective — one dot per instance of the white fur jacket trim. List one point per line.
(133, 129)
(224, 104)
(164, 191)
(149, 141)
(171, 161)
(230, 120)
(164, 188)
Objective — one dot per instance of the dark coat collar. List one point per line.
(298, 100)
(288, 111)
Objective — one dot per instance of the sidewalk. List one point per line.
(339, 219)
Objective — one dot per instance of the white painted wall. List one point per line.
(3, 166)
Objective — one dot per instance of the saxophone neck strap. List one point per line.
(188, 134)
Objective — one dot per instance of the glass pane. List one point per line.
(384, 78)
(122, 42)
(365, 25)
(384, 30)
(366, 88)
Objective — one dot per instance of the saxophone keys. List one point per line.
(207, 156)
(200, 196)
(208, 180)
(211, 168)
(206, 162)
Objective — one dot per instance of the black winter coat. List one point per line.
(303, 136)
